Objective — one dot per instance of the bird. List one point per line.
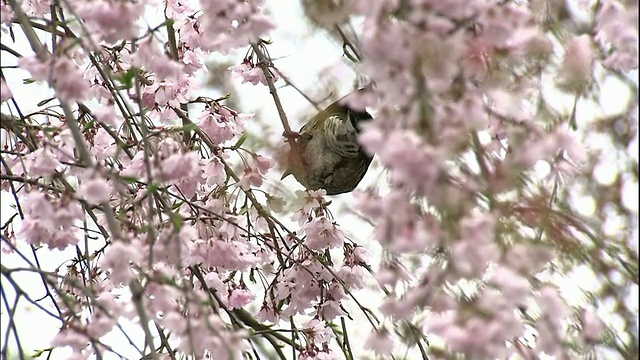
(325, 152)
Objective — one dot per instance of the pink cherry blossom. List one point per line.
(111, 21)
(118, 260)
(250, 177)
(107, 115)
(592, 327)
(42, 162)
(103, 145)
(615, 30)
(239, 298)
(214, 171)
(268, 313)
(390, 274)
(578, 61)
(73, 339)
(151, 55)
(37, 7)
(221, 124)
(550, 326)
(50, 221)
(5, 14)
(337, 291)
(515, 287)
(5, 92)
(248, 73)
(353, 276)
(61, 73)
(95, 191)
(201, 252)
(219, 17)
(321, 233)
(330, 309)
(379, 342)
(316, 331)
(100, 325)
(179, 166)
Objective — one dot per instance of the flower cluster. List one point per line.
(162, 200)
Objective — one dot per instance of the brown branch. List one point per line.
(264, 66)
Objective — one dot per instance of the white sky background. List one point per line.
(303, 53)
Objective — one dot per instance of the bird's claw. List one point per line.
(291, 135)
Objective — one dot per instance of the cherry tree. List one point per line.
(151, 216)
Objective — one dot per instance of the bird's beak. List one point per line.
(285, 174)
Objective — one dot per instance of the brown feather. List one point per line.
(320, 163)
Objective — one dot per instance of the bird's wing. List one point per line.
(341, 135)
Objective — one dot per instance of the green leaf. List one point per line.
(239, 143)
(127, 77)
(225, 97)
(177, 221)
(41, 103)
(188, 127)
(129, 179)
(89, 125)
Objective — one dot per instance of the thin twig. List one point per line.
(348, 45)
(264, 66)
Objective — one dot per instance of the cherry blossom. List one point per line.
(61, 72)
(239, 298)
(379, 342)
(118, 260)
(578, 60)
(146, 198)
(5, 92)
(95, 191)
(110, 21)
